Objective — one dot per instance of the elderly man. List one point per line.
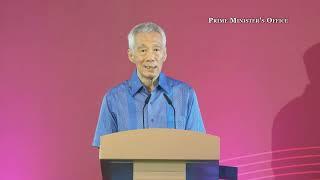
(149, 99)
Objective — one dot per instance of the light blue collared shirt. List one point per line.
(122, 106)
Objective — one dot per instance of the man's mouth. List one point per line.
(150, 67)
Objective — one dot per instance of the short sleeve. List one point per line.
(106, 122)
(194, 119)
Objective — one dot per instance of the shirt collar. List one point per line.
(135, 83)
(163, 83)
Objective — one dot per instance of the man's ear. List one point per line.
(130, 55)
(165, 54)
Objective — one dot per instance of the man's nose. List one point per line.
(151, 56)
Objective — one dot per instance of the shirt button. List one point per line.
(152, 120)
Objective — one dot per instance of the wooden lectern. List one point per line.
(159, 154)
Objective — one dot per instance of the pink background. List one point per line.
(58, 57)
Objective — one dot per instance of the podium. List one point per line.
(159, 154)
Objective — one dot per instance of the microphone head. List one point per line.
(147, 99)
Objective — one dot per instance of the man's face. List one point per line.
(149, 54)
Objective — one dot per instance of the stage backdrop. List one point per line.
(59, 57)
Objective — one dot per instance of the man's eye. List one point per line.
(142, 50)
(156, 49)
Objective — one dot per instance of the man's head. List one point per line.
(147, 49)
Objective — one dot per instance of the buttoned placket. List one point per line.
(150, 118)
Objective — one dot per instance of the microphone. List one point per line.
(145, 103)
(174, 110)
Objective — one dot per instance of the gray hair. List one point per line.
(145, 27)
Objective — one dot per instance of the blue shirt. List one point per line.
(122, 106)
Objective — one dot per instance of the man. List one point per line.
(149, 99)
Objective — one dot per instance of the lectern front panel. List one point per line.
(159, 170)
(192, 170)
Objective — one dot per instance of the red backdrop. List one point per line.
(57, 59)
